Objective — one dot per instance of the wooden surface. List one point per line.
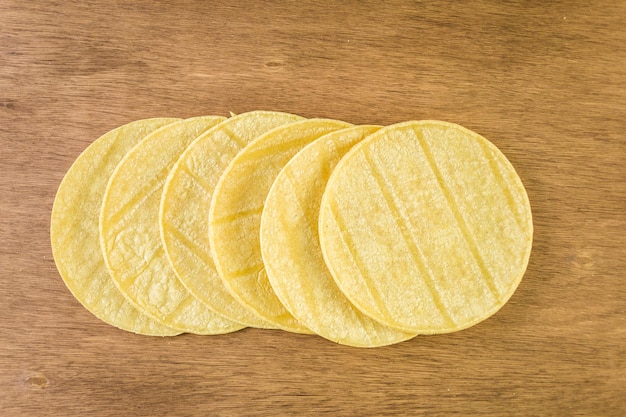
(545, 83)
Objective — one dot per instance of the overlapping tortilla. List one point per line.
(291, 251)
(129, 231)
(235, 215)
(74, 230)
(426, 227)
(185, 205)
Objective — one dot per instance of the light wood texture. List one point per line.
(544, 82)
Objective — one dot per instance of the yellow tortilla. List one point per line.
(291, 252)
(235, 215)
(426, 227)
(74, 230)
(129, 231)
(183, 216)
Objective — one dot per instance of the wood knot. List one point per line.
(274, 64)
(9, 104)
(583, 260)
(36, 382)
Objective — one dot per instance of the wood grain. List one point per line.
(544, 82)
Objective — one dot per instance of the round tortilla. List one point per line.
(291, 252)
(426, 227)
(183, 216)
(74, 230)
(129, 232)
(235, 216)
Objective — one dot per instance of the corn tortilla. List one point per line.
(74, 230)
(291, 252)
(426, 227)
(235, 215)
(183, 215)
(129, 231)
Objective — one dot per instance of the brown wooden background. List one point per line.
(545, 82)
